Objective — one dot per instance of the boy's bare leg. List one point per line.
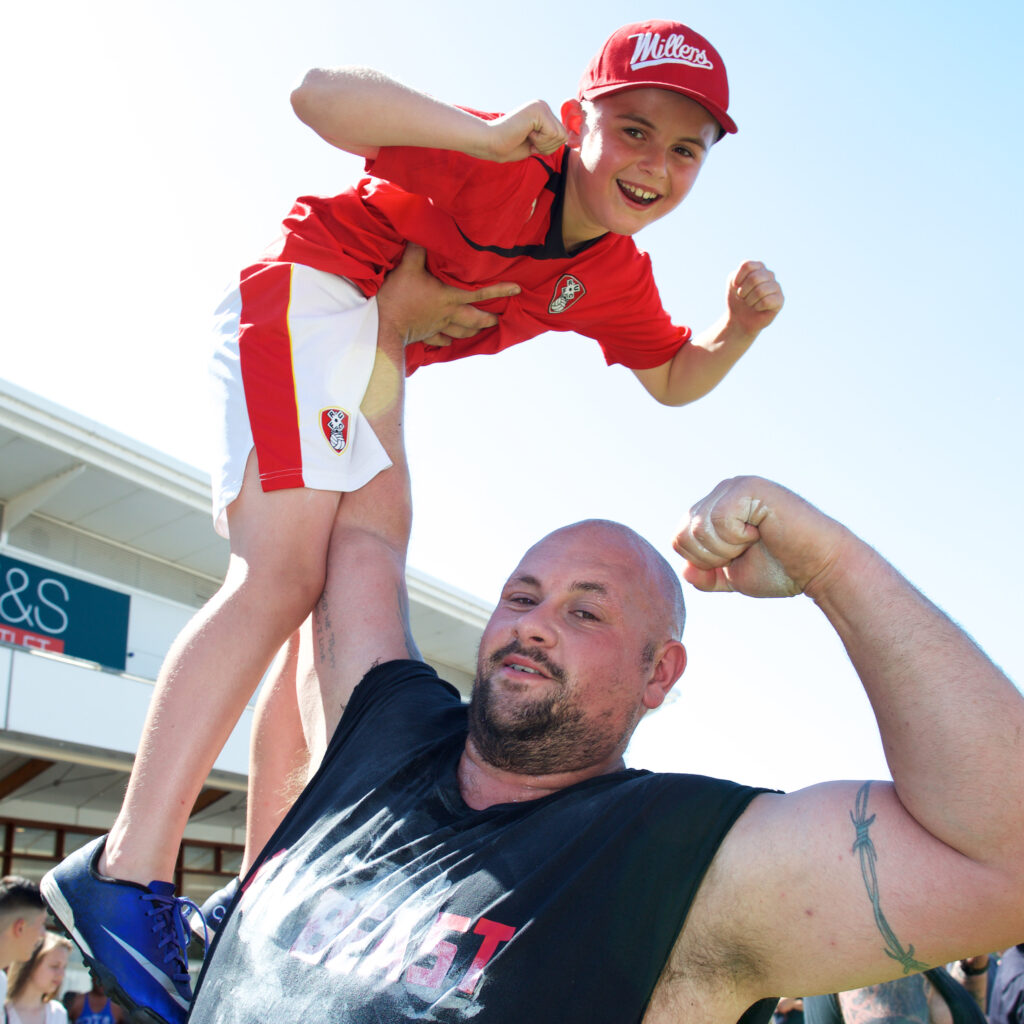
(289, 727)
(412, 305)
(276, 572)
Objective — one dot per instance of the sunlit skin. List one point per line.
(30, 934)
(634, 157)
(583, 627)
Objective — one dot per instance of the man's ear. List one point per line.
(669, 664)
(573, 118)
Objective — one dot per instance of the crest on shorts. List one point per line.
(567, 291)
(335, 424)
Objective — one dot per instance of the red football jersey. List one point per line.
(483, 222)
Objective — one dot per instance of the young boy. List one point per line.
(22, 923)
(549, 205)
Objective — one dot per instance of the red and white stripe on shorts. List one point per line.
(294, 353)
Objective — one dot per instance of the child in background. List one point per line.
(33, 983)
(22, 922)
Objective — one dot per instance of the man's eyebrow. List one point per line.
(640, 119)
(588, 585)
(530, 581)
(596, 588)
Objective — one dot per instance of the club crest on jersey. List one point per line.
(567, 291)
(334, 424)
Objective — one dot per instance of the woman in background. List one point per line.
(32, 984)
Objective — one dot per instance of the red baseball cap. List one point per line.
(661, 55)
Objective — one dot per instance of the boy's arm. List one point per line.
(754, 300)
(844, 884)
(359, 110)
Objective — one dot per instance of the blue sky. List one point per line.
(151, 152)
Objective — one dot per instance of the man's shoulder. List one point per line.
(402, 696)
(731, 796)
(406, 678)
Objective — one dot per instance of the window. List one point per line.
(32, 848)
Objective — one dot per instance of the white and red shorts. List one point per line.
(295, 350)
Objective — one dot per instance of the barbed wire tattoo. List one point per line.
(865, 849)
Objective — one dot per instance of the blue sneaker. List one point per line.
(132, 936)
(212, 913)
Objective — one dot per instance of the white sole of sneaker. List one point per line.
(62, 909)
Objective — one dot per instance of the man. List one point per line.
(502, 865)
(22, 923)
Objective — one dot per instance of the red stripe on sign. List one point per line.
(265, 354)
(23, 638)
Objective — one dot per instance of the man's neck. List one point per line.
(481, 785)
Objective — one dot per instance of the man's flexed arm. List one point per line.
(851, 883)
(950, 721)
(359, 110)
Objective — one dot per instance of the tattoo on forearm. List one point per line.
(403, 605)
(865, 849)
(324, 633)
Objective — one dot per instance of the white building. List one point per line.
(106, 550)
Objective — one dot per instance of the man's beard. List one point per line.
(539, 736)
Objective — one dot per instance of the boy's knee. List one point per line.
(283, 587)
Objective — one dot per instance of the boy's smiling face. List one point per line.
(636, 155)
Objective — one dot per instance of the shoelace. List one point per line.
(170, 914)
(187, 908)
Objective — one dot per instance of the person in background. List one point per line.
(1006, 998)
(34, 982)
(22, 922)
(94, 1006)
(789, 1011)
(954, 995)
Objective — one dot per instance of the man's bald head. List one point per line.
(584, 640)
(655, 577)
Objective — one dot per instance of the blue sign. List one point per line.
(49, 611)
